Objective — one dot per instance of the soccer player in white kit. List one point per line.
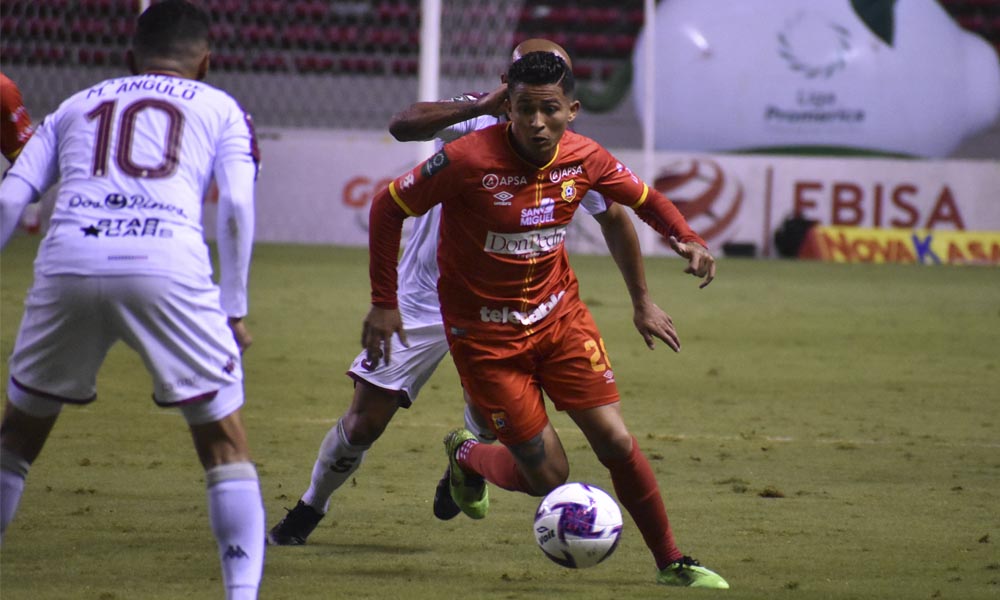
(125, 259)
(380, 391)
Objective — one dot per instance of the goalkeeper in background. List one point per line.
(381, 390)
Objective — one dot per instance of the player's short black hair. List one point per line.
(540, 68)
(170, 28)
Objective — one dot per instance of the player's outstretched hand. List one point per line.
(652, 323)
(377, 331)
(701, 263)
(240, 333)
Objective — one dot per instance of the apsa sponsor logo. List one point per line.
(557, 175)
(492, 181)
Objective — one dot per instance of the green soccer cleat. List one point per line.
(687, 572)
(468, 491)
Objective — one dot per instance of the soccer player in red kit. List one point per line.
(15, 122)
(15, 131)
(510, 301)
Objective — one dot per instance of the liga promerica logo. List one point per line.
(709, 200)
(813, 46)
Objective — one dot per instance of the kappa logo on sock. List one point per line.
(235, 552)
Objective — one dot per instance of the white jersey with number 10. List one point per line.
(134, 157)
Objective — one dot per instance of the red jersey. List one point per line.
(504, 267)
(15, 123)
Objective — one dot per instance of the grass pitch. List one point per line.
(827, 431)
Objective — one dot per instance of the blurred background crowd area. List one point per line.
(352, 63)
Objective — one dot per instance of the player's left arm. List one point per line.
(235, 175)
(623, 244)
(619, 184)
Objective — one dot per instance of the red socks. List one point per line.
(637, 490)
(633, 478)
(495, 463)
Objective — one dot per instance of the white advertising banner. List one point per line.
(744, 199)
(316, 188)
(895, 77)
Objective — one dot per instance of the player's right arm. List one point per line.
(427, 120)
(385, 230)
(36, 169)
(409, 195)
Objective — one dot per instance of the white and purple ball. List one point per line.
(578, 525)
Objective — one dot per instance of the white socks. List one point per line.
(13, 471)
(236, 514)
(336, 462)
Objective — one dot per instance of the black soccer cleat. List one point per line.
(295, 527)
(445, 507)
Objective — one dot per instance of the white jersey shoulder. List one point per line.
(134, 157)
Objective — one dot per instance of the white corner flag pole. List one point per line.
(649, 92)
(430, 62)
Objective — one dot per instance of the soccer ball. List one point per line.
(578, 525)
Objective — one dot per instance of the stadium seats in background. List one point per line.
(322, 36)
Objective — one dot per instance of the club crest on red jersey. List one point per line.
(568, 192)
(499, 420)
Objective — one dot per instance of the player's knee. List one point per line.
(614, 447)
(363, 429)
(369, 414)
(550, 479)
(27, 421)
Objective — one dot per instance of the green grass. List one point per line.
(866, 396)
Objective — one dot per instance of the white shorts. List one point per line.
(410, 367)
(70, 322)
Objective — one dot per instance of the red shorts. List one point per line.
(505, 378)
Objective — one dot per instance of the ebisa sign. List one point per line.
(317, 188)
